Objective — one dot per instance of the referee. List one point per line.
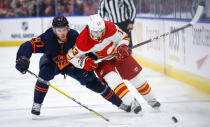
(120, 12)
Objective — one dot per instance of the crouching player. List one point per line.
(102, 39)
(54, 44)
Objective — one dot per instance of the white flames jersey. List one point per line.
(106, 46)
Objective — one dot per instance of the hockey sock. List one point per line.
(40, 92)
(109, 95)
(144, 89)
(120, 89)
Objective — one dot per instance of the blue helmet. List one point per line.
(60, 21)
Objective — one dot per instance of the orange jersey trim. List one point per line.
(36, 42)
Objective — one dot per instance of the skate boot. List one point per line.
(124, 107)
(36, 108)
(135, 106)
(154, 103)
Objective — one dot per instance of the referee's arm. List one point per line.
(131, 10)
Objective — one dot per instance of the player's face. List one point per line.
(61, 33)
(96, 34)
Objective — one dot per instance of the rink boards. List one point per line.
(183, 55)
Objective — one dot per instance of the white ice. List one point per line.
(190, 106)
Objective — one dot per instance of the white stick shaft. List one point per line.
(198, 14)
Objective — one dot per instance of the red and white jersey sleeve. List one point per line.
(104, 47)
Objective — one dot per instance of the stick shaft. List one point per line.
(195, 19)
(162, 35)
(48, 83)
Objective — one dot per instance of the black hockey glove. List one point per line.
(22, 64)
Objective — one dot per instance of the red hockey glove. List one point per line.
(89, 64)
(123, 51)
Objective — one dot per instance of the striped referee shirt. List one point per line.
(117, 11)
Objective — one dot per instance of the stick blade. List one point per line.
(198, 14)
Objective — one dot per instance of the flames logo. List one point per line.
(108, 50)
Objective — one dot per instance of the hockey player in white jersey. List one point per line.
(101, 39)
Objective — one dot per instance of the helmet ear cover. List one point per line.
(60, 21)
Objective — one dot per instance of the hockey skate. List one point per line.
(135, 106)
(124, 107)
(154, 103)
(35, 111)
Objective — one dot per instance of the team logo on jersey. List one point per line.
(136, 69)
(108, 50)
(75, 51)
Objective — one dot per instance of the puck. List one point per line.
(174, 119)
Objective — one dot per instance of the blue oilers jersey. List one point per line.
(47, 43)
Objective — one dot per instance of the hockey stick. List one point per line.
(48, 83)
(195, 19)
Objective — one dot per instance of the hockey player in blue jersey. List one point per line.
(54, 44)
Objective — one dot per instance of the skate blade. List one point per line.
(35, 117)
(156, 109)
(140, 114)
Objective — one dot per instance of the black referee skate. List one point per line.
(125, 107)
(36, 109)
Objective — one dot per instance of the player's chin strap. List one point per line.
(195, 19)
(48, 83)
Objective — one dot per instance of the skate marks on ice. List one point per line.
(187, 114)
(5, 94)
(76, 116)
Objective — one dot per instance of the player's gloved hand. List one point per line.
(89, 64)
(123, 51)
(22, 64)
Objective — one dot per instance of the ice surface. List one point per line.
(190, 106)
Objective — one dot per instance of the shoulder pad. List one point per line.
(84, 42)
